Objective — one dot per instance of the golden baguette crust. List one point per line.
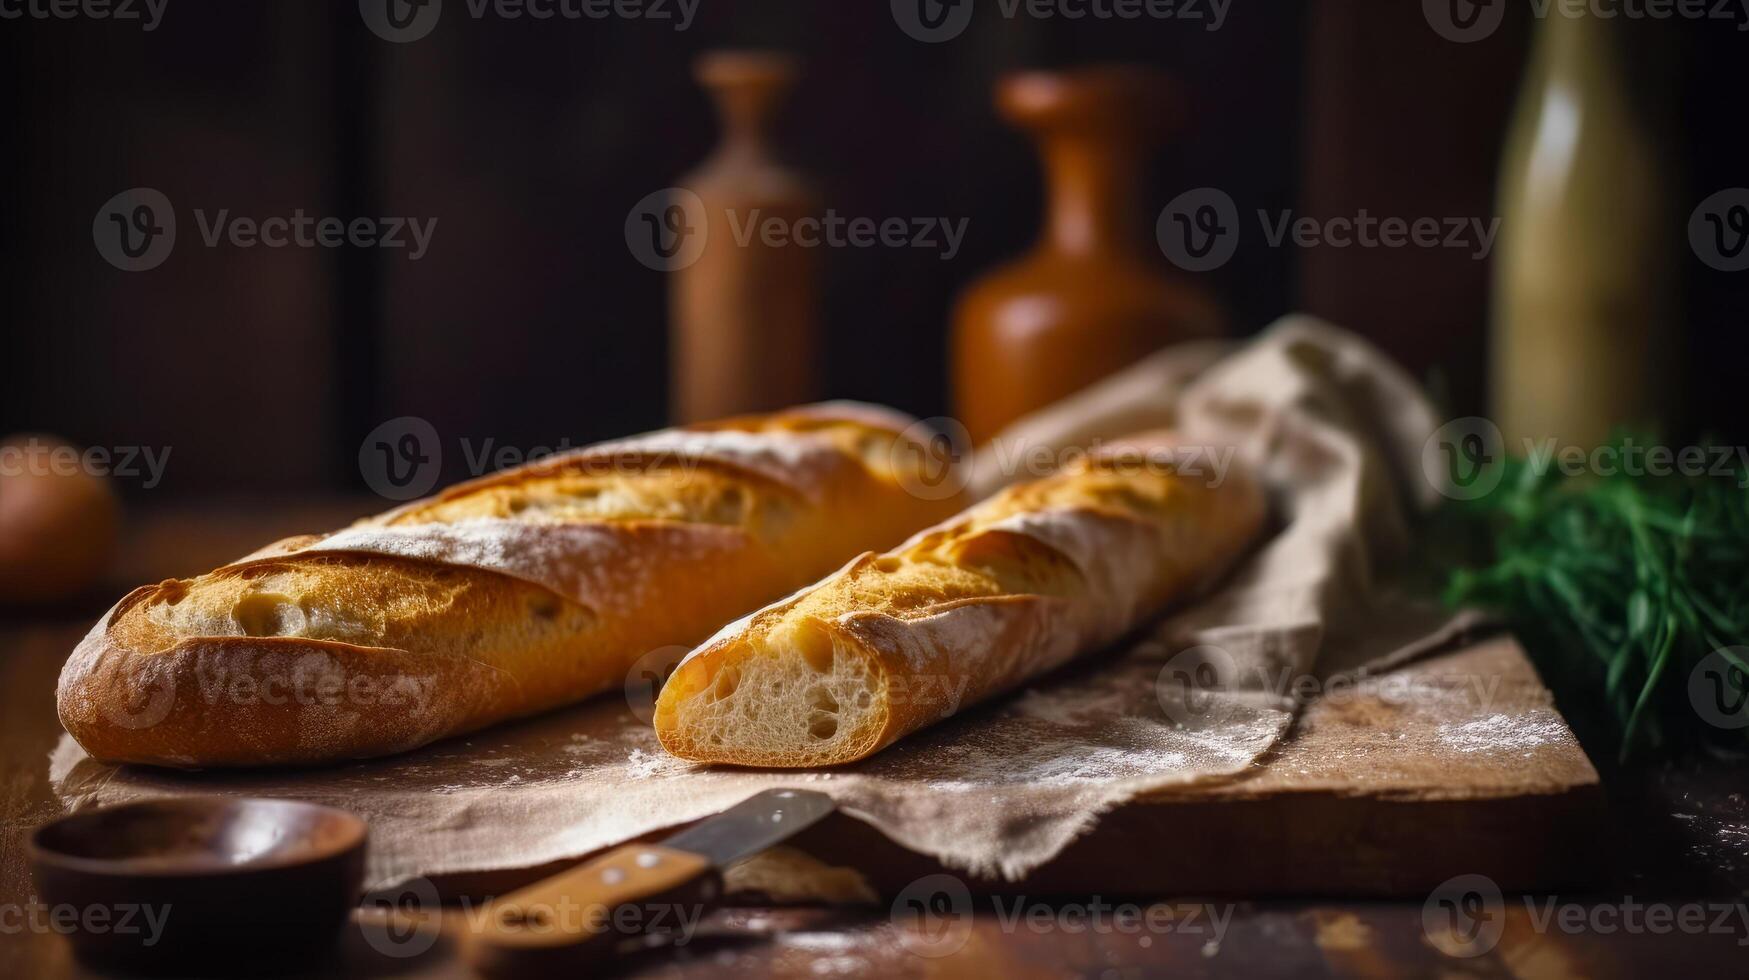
(507, 595)
(1006, 591)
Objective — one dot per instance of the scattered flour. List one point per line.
(1500, 731)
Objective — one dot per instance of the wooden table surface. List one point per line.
(1679, 838)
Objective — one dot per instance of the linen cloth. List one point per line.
(1335, 431)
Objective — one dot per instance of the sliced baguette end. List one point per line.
(796, 693)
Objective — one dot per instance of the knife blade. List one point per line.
(636, 895)
(752, 825)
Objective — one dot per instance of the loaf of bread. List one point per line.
(507, 595)
(1006, 591)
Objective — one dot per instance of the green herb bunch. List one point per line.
(1619, 586)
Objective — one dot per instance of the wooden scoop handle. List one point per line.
(629, 896)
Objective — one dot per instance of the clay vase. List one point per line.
(744, 315)
(1095, 293)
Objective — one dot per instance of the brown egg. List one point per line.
(58, 520)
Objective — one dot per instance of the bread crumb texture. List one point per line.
(1008, 590)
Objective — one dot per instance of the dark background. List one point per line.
(529, 322)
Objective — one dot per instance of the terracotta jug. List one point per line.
(744, 334)
(1095, 293)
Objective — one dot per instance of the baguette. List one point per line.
(504, 596)
(1006, 591)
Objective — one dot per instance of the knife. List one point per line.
(637, 895)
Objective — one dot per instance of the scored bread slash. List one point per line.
(501, 597)
(1009, 590)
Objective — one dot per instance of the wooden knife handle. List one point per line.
(586, 914)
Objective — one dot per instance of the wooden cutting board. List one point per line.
(1460, 766)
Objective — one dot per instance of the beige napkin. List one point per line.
(1336, 432)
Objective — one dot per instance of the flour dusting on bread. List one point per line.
(507, 595)
(1007, 591)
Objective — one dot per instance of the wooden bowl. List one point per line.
(229, 884)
